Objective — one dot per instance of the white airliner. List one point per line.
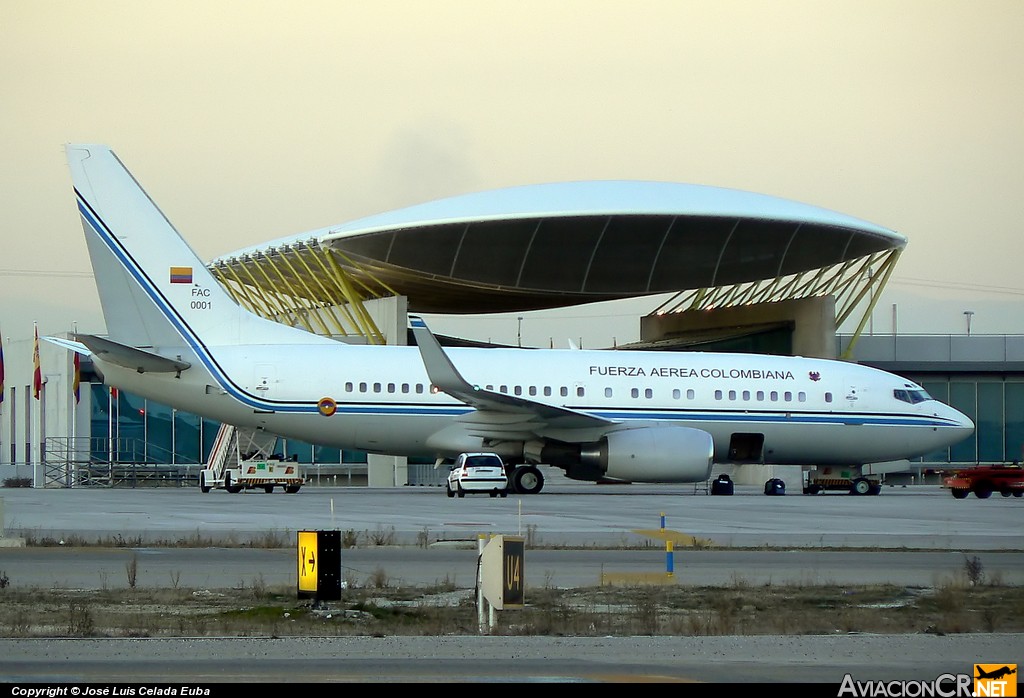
(177, 337)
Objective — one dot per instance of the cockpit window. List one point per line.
(911, 396)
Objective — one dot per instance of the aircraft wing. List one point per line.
(497, 414)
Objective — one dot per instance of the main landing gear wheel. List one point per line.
(527, 479)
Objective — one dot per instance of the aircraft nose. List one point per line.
(964, 424)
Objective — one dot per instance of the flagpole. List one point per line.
(33, 451)
(2, 389)
(69, 474)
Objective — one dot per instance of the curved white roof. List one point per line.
(546, 245)
(603, 198)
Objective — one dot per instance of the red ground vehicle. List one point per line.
(983, 480)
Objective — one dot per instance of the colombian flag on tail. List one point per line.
(181, 275)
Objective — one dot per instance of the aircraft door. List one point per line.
(746, 448)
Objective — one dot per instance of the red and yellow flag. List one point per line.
(37, 374)
(77, 378)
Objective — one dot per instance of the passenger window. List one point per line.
(675, 393)
(760, 395)
(648, 393)
(391, 387)
(348, 387)
(788, 396)
(801, 396)
(732, 394)
(405, 387)
(746, 395)
(774, 396)
(503, 389)
(580, 391)
(547, 391)
(362, 387)
(607, 392)
(518, 390)
(718, 394)
(689, 394)
(634, 393)
(533, 390)
(828, 397)
(563, 391)
(376, 387)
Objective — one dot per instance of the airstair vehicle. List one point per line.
(243, 459)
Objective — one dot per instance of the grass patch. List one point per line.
(592, 611)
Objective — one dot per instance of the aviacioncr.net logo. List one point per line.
(995, 680)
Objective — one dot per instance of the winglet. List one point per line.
(440, 369)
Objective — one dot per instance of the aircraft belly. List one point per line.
(829, 444)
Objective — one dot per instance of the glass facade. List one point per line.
(128, 429)
(131, 429)
(995, 403)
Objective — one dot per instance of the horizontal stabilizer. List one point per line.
(130, 357)
(76, 347)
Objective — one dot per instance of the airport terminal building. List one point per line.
(741, 271)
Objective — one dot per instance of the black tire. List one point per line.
(960, 493)
(1006, 493)
(860, 487)
(461, 492)
(493, 493)
(1018, 493)
(448, 490)
(875, 490)
(527, 479)
(291, 489)
(982, 493)
(503, 494)
(269, 489)
(203, 487)
(233, 489)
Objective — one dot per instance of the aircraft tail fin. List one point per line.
(155, 291)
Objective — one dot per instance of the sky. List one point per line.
(251, 121)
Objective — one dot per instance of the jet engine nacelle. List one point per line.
(652, 454)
